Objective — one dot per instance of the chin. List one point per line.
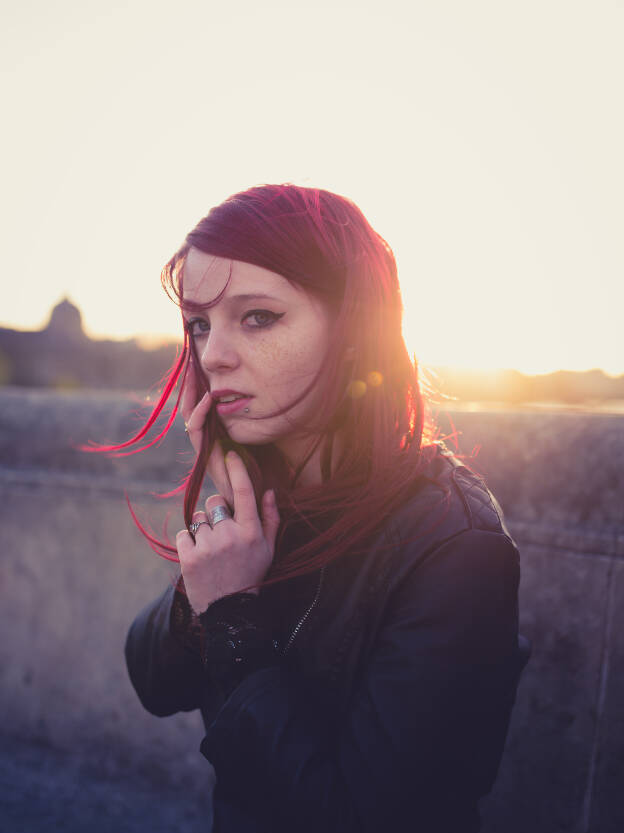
(247, 434)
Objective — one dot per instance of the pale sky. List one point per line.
(482, 139)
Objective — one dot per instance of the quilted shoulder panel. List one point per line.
(481, 505)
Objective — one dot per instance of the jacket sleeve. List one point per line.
(424, 731)
(166, 673)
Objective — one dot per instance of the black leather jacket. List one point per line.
(390, 706)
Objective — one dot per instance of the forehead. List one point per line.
(204, 276)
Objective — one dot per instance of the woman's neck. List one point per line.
(296, 450)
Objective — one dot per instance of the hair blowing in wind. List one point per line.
(323, 244)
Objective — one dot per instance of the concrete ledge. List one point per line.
(75, 571)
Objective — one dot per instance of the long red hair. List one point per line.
(322, 243)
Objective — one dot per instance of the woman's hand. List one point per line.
(238, 551)
(194, 414)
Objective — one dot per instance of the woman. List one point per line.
(346, 614)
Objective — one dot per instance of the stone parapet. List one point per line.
(75, 571)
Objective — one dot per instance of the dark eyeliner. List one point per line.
(272, 316)
(191, 323)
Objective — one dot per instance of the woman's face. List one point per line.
(265, 338)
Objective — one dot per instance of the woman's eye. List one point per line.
(258, 318)
(198, 327)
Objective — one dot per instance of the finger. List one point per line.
(189, 393)
(270, 518)
(199, 413)
(245, 510)
(195, 422)
(219, 474)
(184, 543)
(203, 529)
(212, 502)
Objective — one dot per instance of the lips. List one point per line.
(227, 401)
(234, 405)
(226, 393)
(231, 397)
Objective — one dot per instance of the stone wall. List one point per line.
(74, 571)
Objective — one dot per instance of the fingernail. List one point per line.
(231, 455)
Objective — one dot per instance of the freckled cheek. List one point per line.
(284, 358)
(271, 353)
(283, 369)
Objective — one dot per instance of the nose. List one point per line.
(218, 352)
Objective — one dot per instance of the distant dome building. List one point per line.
(65, 321)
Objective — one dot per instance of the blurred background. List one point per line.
(483, 141)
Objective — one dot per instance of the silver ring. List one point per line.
(219, 513)
(195, 526)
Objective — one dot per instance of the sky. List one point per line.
(483, 140)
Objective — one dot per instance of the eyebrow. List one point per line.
(251, 296)
(244, 297)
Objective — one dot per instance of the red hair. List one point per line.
(322, 243)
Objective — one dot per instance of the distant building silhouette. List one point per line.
(63, 356)
(65, 322)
